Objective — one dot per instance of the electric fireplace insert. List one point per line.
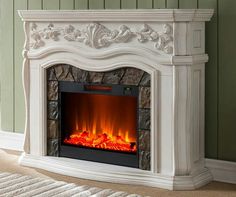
(99, 122)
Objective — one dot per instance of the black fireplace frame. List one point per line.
(91, 154)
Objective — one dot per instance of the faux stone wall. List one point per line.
(122, 76)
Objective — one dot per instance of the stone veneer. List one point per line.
(123, 76)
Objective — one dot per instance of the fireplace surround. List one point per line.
(114, 105)
(167, 45)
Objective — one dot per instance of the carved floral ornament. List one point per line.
(97, 36)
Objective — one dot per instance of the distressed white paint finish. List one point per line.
(177, 86)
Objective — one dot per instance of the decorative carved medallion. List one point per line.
(97, 36)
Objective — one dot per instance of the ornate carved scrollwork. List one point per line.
(97, 36)
(162, 39)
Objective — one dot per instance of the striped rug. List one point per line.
(16, 185)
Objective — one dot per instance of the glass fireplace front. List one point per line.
(98, 122)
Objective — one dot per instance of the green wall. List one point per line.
(220, 70)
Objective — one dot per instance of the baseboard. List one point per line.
(223, 171)
(11, 141)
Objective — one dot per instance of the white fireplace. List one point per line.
(167, 44)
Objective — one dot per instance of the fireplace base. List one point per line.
(116, 174)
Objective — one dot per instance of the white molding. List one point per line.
(11, 141)
(118, 15)
(99, 55)
(223, 171)
(115, 174)
(190, 59)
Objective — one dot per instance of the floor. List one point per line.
(8, 163)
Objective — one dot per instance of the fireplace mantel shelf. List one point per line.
(140, 15)
(168, 44)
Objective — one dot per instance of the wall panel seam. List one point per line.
(218, 83)
(13, 52)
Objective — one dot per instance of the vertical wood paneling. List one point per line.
(185, 4)
(51, 4)
(144, 4)
(66, 4)
(159, 3)
(96, 4)
(227, 80)
(19, 115)
(220, 70)
(7, 65)
(128, 4)
(112, 4)
(211, 78)
(35, 4)
(81, 4)
(172, 3)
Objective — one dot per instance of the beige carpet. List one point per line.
(8, 163)
(12, 185)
